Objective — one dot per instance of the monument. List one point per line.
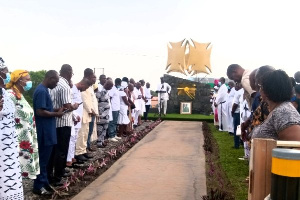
(188, 58)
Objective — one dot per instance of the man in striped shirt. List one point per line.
(61, 97)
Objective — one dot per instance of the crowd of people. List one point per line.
(262, 103)
(40, 143)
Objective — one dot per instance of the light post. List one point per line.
(101, 68)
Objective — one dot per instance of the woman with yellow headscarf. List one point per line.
(25, 125)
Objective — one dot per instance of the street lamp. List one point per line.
(100, 69)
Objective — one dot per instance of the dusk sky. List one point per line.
(129, 38)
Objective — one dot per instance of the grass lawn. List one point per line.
(236, 170)
(180, 117)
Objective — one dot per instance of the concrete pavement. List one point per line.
(168, 163)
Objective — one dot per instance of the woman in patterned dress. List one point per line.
(283, 121)
(10, 173)
(25, 125)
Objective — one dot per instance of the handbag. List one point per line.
(238, 130)
(132, 106)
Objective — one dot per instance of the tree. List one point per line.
(36, 77)
(153, 93)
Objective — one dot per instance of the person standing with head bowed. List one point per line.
(45, 128)
(61, 98)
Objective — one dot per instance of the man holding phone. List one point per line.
(46, 129)
(61, 97)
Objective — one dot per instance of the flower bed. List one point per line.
(218, 186)
(93, 168)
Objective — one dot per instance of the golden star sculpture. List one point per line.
(176, 58)
(189, 57)
(199, 58)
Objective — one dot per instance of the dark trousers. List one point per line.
(146, 113)
(236, 122)
(91, 129)
(60, 152)
(44, 156)
(112, 126)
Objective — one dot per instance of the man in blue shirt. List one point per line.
(46, 129)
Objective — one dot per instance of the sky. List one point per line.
(129, 38)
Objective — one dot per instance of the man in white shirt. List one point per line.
(148, 98)
(137, 94)
(77, 116)
(163, 90)
(115, 108)
(229, 106)
(235, 113)
(222, 105)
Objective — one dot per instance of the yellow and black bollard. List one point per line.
(285, 174)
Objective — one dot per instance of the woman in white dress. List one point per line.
(10, 172)
(123, 119)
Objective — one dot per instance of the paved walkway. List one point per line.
(168, 164)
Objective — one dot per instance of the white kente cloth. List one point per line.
(72, 143)
(138, 102)
(221, 101)
(142, 101)
(229, 108)
(123, 117)
(76, 98)
(245, 113)
(10, 173)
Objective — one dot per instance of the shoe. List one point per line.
(67, 174)
(243, 158)
(49, 188)
(220, 130)
(100, 146)
(118, 138)
(78, 162)
(91, 149)
(67, 170)
(58, 183)
(76, 165)
(134, 126)
(88, 155)
(81, 157)
(42, 192)
(113, 139)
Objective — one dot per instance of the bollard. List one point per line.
(285, 180)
